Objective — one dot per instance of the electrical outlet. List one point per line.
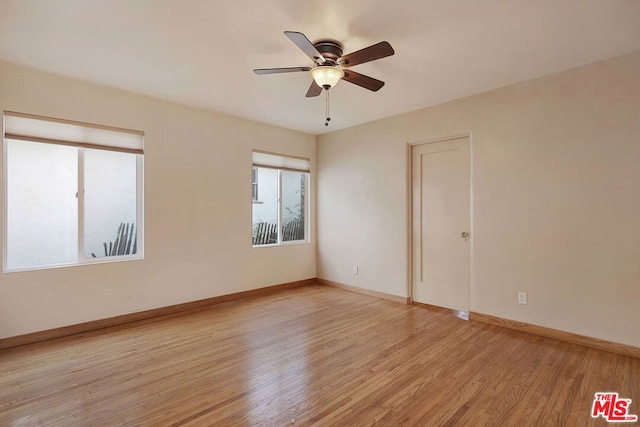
(355, 269)
(522, 298)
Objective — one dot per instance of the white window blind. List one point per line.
(277, 161)
(20, 126)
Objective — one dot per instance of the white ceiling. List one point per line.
(202, 53)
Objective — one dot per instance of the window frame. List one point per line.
(81, 147)
(282, 163)
(254, 184)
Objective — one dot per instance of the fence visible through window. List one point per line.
(266, 233)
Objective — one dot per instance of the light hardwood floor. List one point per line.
(310, 355)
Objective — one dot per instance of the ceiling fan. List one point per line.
(331, 66)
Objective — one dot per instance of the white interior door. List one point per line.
(441, 223)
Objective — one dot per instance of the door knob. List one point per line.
(465, 235)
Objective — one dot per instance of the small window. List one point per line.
(73, 193)
(282, 214)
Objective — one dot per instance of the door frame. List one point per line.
(409, 219)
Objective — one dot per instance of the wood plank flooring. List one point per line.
(309, 356)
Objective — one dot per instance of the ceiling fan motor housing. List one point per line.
(331, 50)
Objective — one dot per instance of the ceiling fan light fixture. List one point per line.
(326, 76)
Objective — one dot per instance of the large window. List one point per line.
(73, 193)
(280, 203)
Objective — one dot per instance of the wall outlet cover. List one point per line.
(522, 297)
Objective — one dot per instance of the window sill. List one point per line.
(275, 245)
(86, 261)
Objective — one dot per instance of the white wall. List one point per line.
(556, 211)
(197, 209)
(266, 208)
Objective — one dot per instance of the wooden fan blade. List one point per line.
(371, 53)
(362, 80)
(314, 90)
(306, 46)
(280, 70)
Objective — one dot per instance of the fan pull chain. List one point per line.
(327, 108)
